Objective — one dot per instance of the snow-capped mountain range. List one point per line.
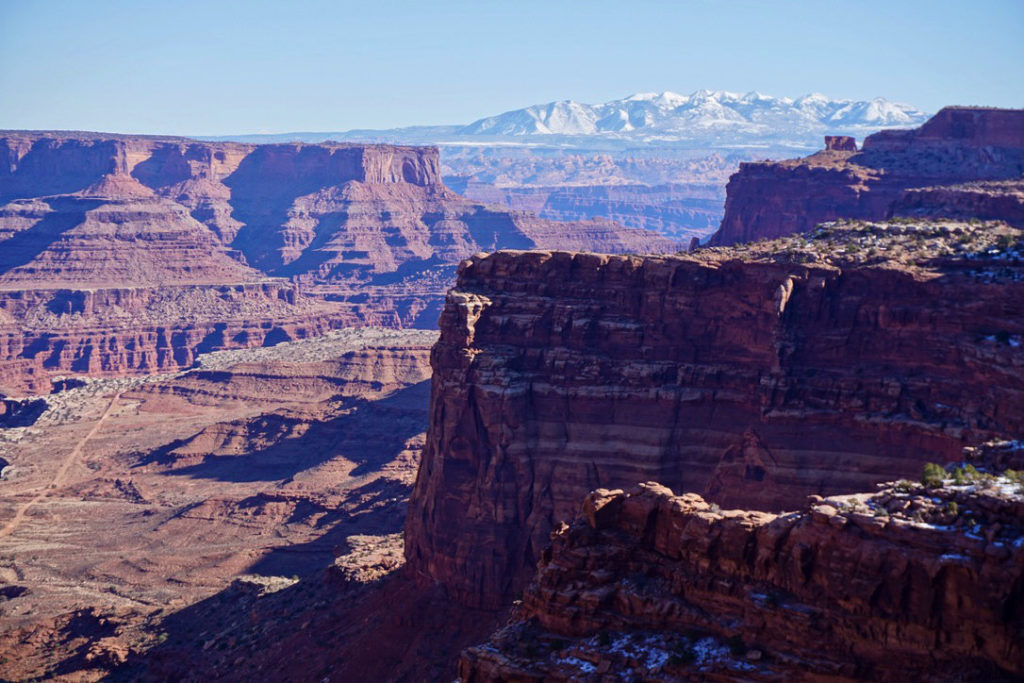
(672, 116)
(703, 119)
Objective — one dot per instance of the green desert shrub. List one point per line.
(933, 475)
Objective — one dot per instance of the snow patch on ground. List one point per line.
(582, 665)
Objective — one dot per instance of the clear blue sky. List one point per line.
(208, 67)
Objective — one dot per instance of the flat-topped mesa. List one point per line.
(967, 126)
(958, 145)
(750, 378)
(343, 220)
(46, 163)
(882, 586)
(333, 233)
(81, 199)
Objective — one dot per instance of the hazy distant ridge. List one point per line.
(703, 118)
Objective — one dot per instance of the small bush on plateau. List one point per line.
(933, 475)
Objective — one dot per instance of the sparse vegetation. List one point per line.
(910, 242)
(933, 475)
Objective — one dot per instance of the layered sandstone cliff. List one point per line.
(753, 377)
(123, 330)
(127, 253)
(327, 214)
(993, 200)
(905, 582)
(957, 145)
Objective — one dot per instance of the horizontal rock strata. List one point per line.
(100, 234)
(880, 587)
(750, 378)
(114, 331)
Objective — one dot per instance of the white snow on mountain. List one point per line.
(705, 119)
(671, 116)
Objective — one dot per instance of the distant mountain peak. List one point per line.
(704, 119)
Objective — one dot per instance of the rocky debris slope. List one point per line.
(752, 376)
(958, 145)
(908, 580)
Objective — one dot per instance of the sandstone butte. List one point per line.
(964, 162)
(124, 254)
(753, 376)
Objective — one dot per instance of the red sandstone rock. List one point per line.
(133, 254)
(771, 199)
(993, 200)
(840, 143)
(742, 376)
(843, 588)
(116, 331)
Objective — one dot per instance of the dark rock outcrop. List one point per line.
(19, 413)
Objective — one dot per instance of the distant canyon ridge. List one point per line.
(658, 161)
(123, 254)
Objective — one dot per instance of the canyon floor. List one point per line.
(134, 509)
